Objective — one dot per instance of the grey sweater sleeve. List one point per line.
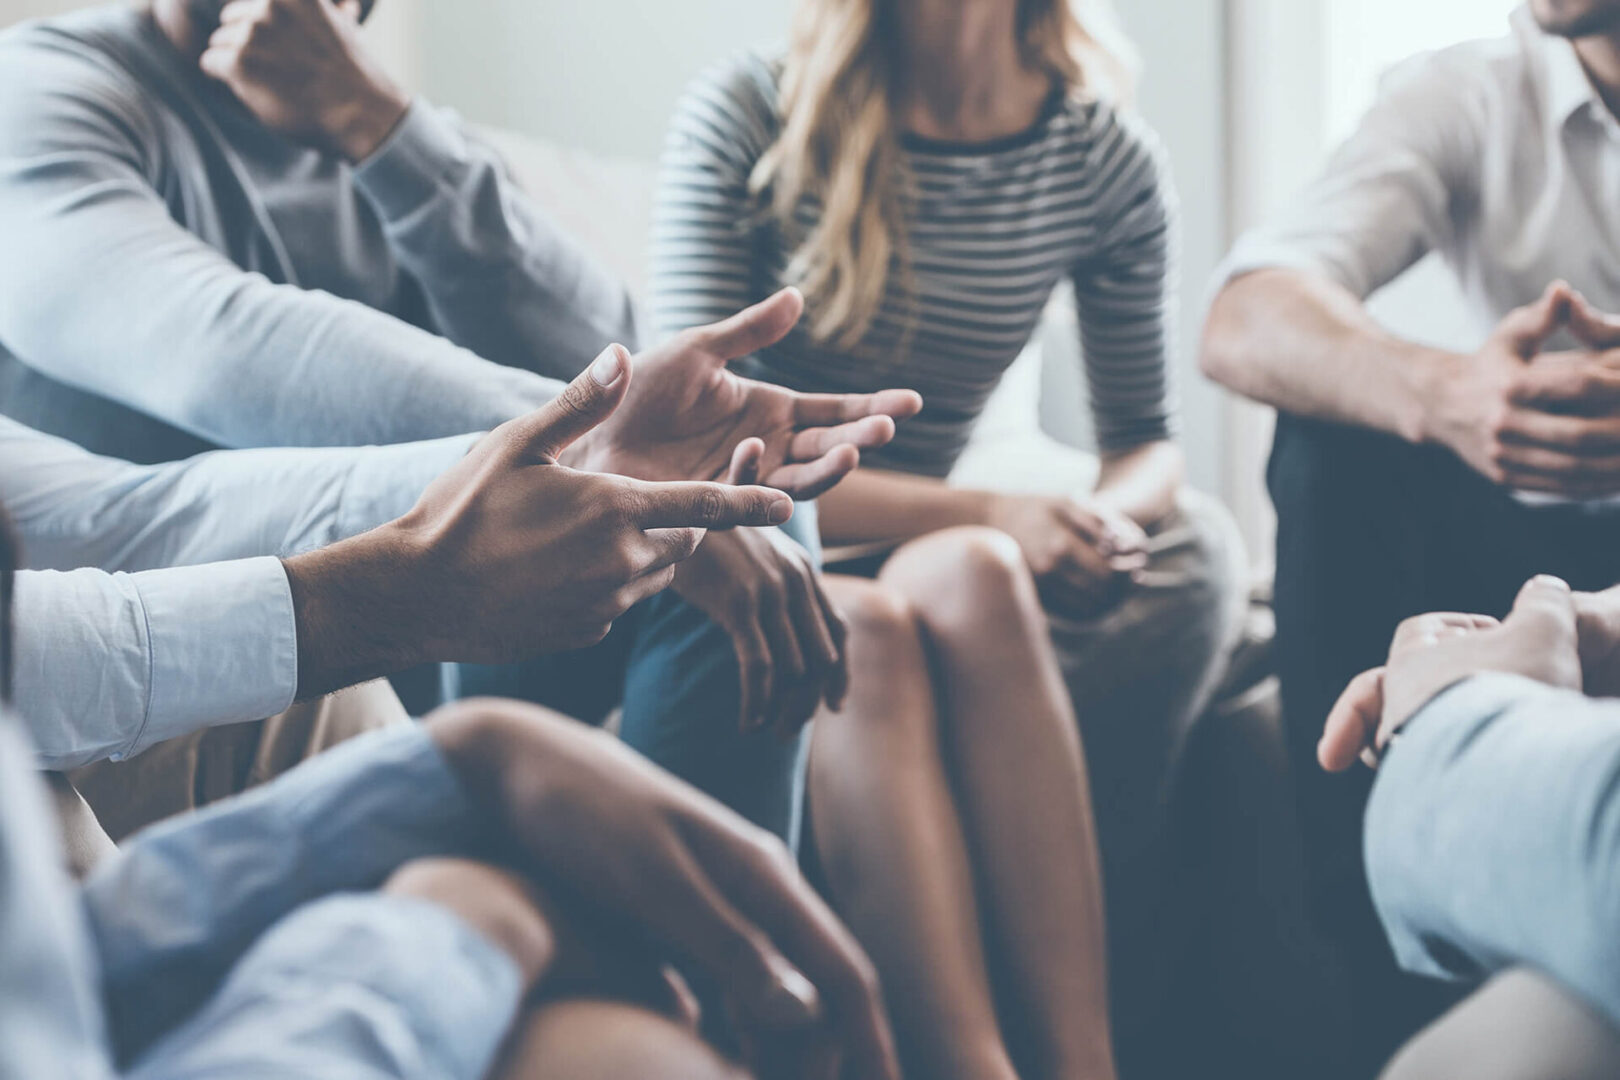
(500, 276)
(102, 290)
(1493, 837)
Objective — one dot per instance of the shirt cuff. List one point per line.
(409, 168)
(223, 644)
(387, 481)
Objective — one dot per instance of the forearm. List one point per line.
(878, 505)
(1301, 343)
(1141, 483)
(1493, 836)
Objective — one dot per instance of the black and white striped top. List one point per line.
(991, 229)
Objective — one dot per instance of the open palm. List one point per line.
(686, 412)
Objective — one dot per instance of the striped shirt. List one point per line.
(990, 228)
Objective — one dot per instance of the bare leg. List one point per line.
(584, 1039)
(886, 829)
(1013, 748)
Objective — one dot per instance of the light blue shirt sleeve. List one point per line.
(188, 899)
(72, 508)
(237, 943)
(1493, 837)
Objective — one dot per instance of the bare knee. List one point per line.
(878, 616)
(966, 578)
(603, 1040)
(498, 905)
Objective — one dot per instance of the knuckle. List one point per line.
(709, 507)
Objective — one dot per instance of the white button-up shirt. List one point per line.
(1498, 154)
(153, 603)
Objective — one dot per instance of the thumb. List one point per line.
(1546, 606)
(754, 328)
(1527, 328)
(745, 462)
(585, 403)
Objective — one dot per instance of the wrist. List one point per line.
(361, 124)
(1428, 415)
(359, 608)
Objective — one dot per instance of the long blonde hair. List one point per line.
(838, 141)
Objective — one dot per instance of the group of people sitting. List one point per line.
(303, 394)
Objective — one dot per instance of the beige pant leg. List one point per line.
(194, 770)
(1519, 1026)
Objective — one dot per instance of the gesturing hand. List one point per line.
(687, 413)
(508, 554)
(1538, 639)
(596, 822)
(1082, 552)
(300, 68)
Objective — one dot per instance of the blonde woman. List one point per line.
(927, 171)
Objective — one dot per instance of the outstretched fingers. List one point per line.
(700, 504)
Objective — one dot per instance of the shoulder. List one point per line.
(1117, 145)
(731, 108)
(1456, 88)
(67, 79)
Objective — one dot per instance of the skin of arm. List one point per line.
(879, 504)
(1305, 344)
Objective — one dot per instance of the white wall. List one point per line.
(600, 75)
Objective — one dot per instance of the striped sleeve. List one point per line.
(1125, 287)
(704, 249)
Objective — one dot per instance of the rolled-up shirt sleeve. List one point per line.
(1387, 195)
(1493, 837)
(108, 664)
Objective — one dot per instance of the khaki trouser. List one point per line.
(102, 803)
(1519, 1026)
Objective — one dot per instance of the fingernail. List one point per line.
(793, 1000)
(781, 512)
(608, 366)
(1551, 582)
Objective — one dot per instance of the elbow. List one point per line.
(1223, 348)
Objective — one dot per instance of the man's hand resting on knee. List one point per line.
(509, 553)
(604, 830)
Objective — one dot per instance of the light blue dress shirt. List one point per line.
(241, 943)
(113, 654)
(1493, 837)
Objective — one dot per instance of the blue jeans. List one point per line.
(675, 673)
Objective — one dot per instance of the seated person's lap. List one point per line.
(675, 673)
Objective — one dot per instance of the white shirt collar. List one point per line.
(1567, 87)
